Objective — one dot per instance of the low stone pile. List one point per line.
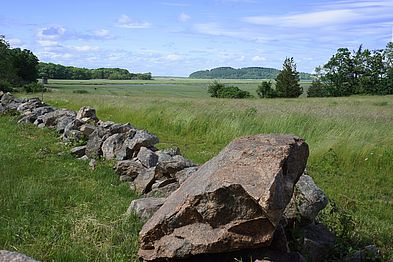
(149, 171)
(246, 202)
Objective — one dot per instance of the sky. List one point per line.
(176, 38)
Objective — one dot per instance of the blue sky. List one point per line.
(173, 37)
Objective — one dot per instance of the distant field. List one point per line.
(165, 87)
(350, 138)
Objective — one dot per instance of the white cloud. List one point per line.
(183, 17)
(311, 19)
(83, 48)
(173, 57)
(127, 22)
(47, 43)
(258, 58)
(103, 33)
(51, 33)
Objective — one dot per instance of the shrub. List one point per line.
(80, 91)
(5, 86)
(265, 90)
(33, 88)
(214, 88)
(233, 92)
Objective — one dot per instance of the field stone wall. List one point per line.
(156, 174)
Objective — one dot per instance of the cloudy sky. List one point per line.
(173, 37)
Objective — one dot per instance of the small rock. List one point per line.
(141, 139)
(147, 157)
(169, 167)
(124, 178)
(145, 207)
(131, 168)
(9, 256)
(144, 180)
(112, 145)
(84, 158)
(93, 164)
(87, 129)
(6, 99)
(87, 114)
(368, 253)
(163, 191)
(121, 129)
(173, 151)
(62, 122)
(78, 151)
(182, 175)
(162, 183)
(318, 242)
(307, 200)
(93, 146)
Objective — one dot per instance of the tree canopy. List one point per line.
(361, 71)
(242, 73)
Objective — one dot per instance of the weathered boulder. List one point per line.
(9, 256)
(168, 167)
(78, 151)
(119, 129)
(147, 157)
(145, 207)
(234, 201)
(112, 145)
(87, 114)
(131, 168)
(71, 131)
(318, 242)
(144, 180)
(307, 200)
(93, 146)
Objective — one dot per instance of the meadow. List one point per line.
(350, 140)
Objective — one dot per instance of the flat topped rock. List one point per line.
(236, 199)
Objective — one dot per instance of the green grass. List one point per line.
(54, 208)
(350, 138)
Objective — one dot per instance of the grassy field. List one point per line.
(350, 138)
(54, 208)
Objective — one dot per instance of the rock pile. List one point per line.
(243, 203)
(149, 171)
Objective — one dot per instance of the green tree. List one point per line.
(25, 64)
(265, 90)
(7, 71)
(287, 81)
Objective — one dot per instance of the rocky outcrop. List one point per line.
(234, 201)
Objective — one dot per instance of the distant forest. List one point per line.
(242, 73)
(56, 71)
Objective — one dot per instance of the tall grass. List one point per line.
(350, 140)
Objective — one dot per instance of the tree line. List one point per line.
(17, 67)
(358, 72)
(56, 71)
(242, 73)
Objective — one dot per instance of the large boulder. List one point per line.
(307, 200)
(234, 201)
(147, 157)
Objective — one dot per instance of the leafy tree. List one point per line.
(287, 81)
(265, 90)
(25, 64)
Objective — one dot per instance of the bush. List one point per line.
(80, 91)
(5, 86)
(217, 89)
(214, 88)
(265, 90)
(317, 89)
(33, 88)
